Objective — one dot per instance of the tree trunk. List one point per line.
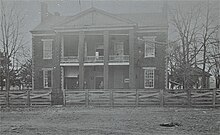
(204, 65)
(217, 82)
(7, 81)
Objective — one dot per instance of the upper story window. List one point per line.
(149, 46)
(149, 77)
(119, 48)
(47, 48)
(47, 75)
(99, 50)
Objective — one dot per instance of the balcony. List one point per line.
(70, 59)
(113, 60)
(94, 59)
(118, 58)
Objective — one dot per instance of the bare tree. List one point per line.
(214, 59)
(186, 27)
(207, 39)
(11, 37)
(196, 29)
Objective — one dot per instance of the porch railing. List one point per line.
(70, 59)
(94, 59)
(119, 58)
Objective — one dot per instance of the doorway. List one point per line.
(71, 82)
(99, 82)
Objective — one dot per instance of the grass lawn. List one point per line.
(109, 121)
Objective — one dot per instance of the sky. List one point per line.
(31, 8)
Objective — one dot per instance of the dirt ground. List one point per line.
(109, 121)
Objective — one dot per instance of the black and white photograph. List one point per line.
(109, 67)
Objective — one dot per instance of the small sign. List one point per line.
(126, 80)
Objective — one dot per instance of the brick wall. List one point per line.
(158, 61)
(39, 63)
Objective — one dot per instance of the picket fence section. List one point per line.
(25, 98)
(143, 97)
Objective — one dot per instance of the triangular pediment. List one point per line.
(95, 17)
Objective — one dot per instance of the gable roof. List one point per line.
(146, 19)
(198, 71)
(94, 16)
(97, 17)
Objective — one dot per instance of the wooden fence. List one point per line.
(116, 97)
(25, 98)
(143, 97)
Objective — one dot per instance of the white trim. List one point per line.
(152, 38)
(43, 34)
(93, 29)
(98, 33)
(149, 68)
(145, 70)
(115, 34)
(95, 26)
(93, 64)
(69, 64)
(122, 63)
(45, 39)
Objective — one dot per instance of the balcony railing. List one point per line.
(94, 59)
(70, 59)
(119, 58)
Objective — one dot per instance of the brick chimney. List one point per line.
(44, 11)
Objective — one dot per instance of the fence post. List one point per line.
(50, 96)
(189, 97)
(28, 98)
(161, 97)
(7, 98)
(64, 97)
(214, 98)
(111, 97)
(137, 98)
(87, 97)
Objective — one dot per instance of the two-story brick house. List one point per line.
(95, 49)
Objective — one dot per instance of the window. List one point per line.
(99, 50)
(47, 74)
(149, 47)
(47, 48)
(149, 77)
(119, 48)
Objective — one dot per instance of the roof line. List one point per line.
(100, 11)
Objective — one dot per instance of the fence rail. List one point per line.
(143, 97)
(25, 98)
(115, 97)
